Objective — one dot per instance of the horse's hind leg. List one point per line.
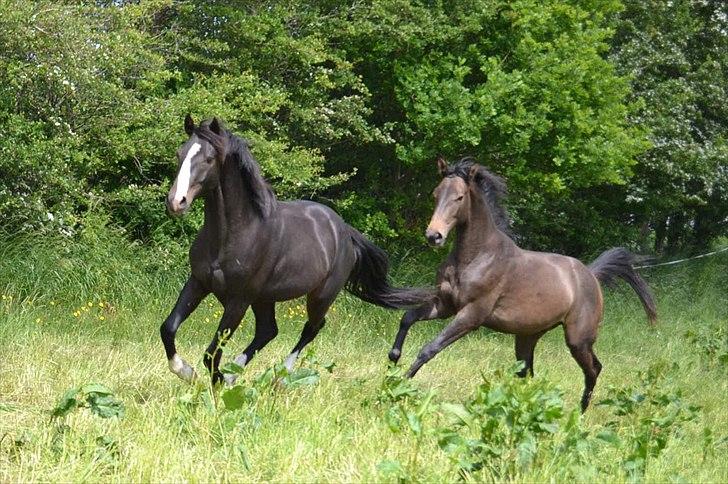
(580, 337)
(265, 330)
(317, 304)
(431, 310)
(525, 346)
(187, 301)
(590, 365)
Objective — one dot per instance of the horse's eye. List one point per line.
(459, 198)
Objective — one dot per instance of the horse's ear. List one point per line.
(189, 125)
(441, 165)
(215, 126)
(475, 174)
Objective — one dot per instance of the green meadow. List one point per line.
(80, 320)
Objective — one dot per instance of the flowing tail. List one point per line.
(618, 262)
(369, 282)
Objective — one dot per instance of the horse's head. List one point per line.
(200, 159)
(461, 182)
(452, 204)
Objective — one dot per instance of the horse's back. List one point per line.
(301, 218)
(312, 245)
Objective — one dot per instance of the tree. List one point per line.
(524, 86)
(676, 54)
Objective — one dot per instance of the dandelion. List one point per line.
(90, 304)
(101, 318)
(101, 304)
(37, 320)
(53, 303)
(76, 314)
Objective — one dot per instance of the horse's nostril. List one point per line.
(433, 237)
(183, 201)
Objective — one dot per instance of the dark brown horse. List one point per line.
(253, 250)
(487, 280)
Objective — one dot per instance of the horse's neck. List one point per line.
(228, 208)
(477, 234)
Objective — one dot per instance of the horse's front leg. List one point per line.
(466, 320)
(265, 330)
(189, 298)
(428, 311)
(233, 313)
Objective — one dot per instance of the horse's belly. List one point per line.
(529, 312)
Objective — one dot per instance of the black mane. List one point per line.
(237, 149)
(492, 186)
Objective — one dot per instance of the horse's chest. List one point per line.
(216, 269)
(448, 287)
(459, 286)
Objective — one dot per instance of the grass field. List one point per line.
(74, 315)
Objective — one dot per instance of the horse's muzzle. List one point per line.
(177, 207)
(434, 237)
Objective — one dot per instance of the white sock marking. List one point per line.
(291, 360)
(179, 367)
(183, 179)
(241, 360)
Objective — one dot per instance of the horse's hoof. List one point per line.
(230, 379)
(394, 355)
(182, 369)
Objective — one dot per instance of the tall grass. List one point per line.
(88, 310)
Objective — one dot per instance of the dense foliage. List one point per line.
(676, 54)
(607, 119)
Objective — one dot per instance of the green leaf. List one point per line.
(451, 442)
(609, 436)
(66, 404)
(232, 367)
(414, 422)
(234, 398)
(301, 377)
(457, 410)
(95, 388)
(393, 418)
(106, 406)
(391, 467)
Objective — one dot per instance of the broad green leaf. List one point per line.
(391, 467)
(232, 367)
(458, 411)
(96, 388)
(66, 404)
(301, 377)
(234, 398)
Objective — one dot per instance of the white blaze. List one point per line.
(183, 179)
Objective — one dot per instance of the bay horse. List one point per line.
(253, 251)
(487, 280)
